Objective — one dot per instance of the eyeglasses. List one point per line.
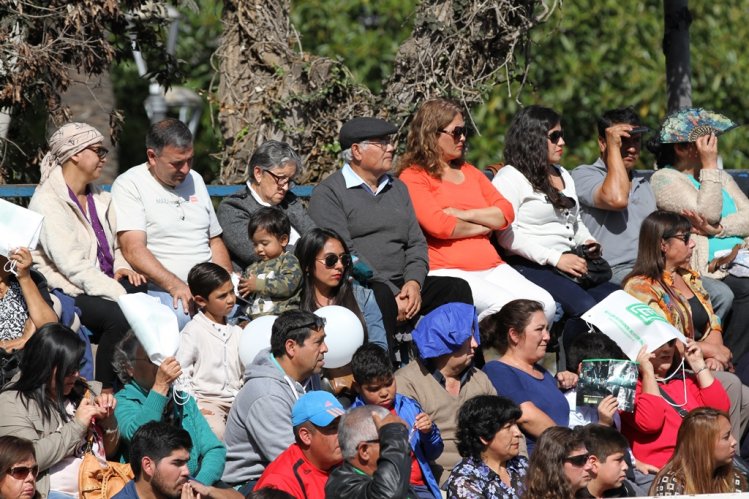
(383, 143)
(21, 472)
(99, 151)
(457, 132)
(281, 181)
(577, 461)
(682, 237)
(556, 136)
(331, 260)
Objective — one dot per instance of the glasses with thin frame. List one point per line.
(383, 143)
(21, 472)
(682, 237)
(280, 180)
(99, 151)
(331, 260)
(456, 133)
(556, 136)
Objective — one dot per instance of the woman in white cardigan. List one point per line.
(77, 251)
(547, 214)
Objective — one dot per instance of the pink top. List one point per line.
(430, 196)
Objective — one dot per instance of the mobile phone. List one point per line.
(639, 130)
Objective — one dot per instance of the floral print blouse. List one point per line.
(473, 479)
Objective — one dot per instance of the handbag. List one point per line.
(599, 270)
(97, 480)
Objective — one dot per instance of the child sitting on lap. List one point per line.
(209, 347)
(375, 383)
(273, 284)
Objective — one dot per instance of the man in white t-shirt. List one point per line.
(165, 218)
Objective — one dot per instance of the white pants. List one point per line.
(492, 288)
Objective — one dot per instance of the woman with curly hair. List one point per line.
(703, 460)
(489, 442)
(547, 226)
(458, 209)
(559, 467)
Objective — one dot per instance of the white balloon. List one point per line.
(343, 334)
(255, 337)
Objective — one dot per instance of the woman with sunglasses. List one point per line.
(18, 468)
(50, 405)
(703, 459)
(688, 181)
(271, 169)
(560, 467)
(326, 264)
(547, 226)
(77, 253)
(458, 210)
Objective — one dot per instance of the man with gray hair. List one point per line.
(272, 169)
(372, 212)
(165, 218)
(376, 456)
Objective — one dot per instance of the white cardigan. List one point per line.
(66, 254)
(540, 232)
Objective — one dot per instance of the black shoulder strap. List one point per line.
(671, 402)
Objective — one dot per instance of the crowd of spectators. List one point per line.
(487, 277)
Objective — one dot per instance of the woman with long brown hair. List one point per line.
(703, 459)
(458, 210)
(559, 467)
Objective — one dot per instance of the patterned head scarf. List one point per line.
(68, 140)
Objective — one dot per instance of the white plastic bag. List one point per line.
(153, 323)
(19, 227)
(631, 323)
(739, 267)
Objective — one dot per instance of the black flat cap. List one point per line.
(361, 129)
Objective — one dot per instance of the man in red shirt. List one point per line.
(302, 470)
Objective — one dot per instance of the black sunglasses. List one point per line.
(331, 260)
(21, 472)
(99, 151)
(682, 237)
(577, 461)
(555, 136)
(457, 132)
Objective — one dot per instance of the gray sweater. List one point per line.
(259, 427)
(381, 230)
(234, 214)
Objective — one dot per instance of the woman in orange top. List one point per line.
(458, 209)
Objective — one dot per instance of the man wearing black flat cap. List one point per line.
(372, 212)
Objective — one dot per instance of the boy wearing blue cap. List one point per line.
(302, 470)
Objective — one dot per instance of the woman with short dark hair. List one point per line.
(18, 468)
(489, 442)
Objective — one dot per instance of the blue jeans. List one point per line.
(164, 297)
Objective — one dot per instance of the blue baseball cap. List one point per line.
(319, 407)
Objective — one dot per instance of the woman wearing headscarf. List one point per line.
(76, 251)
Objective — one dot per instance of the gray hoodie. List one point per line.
(259, 427)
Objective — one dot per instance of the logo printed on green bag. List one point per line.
(646, 314)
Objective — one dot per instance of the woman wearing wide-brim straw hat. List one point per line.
(77, 250)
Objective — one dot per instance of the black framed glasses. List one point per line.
(99, 151)
(577, 461)
(556, 136)
(682, 237)
(280, 180)
(331, 260)
(457, 132)
(21, 472)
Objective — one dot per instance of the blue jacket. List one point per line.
(136, 407)
(426, 447)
